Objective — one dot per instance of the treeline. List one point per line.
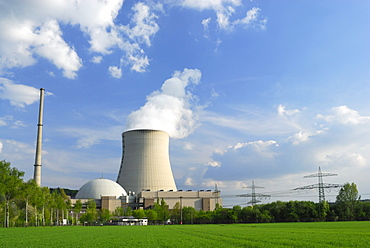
(347, 207)
(26, 204)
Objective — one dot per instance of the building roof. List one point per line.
(99, 187)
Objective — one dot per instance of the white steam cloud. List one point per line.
(169, 109)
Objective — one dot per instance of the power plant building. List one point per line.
(145, 177)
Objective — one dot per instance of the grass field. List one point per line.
(321, 234)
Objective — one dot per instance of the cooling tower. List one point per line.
(145, 161)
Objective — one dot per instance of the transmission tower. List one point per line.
(321, 185)
(254, 195)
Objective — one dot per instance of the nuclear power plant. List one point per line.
(144, 177)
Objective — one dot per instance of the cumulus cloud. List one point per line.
(344, 115)
(169, 109)
(299, 137)
(115, 72)
(1, 147)
(32, 29)
(19, 95)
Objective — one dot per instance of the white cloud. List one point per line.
(97, 59)
(170, 108)
(210, 4)
(214, 164)
(282, 112)
(189, 182)
(205, 24)
(143, 22)
(51, 73)
(115, 72)
(141, 29)
(189, 146)
(5, 119)
(300, 137)
(1, 147)
(344, 115)
(33, 28)
(340, 145)
(19, 95)
(225, 10)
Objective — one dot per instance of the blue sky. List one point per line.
(248, 90)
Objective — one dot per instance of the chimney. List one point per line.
(37, 169)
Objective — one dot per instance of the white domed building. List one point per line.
(96, 188)
(106, 193)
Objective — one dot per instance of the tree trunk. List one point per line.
(36, 219)
(43, 215)
(26, 213)
(7, 214)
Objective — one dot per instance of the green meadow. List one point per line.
(313, 234)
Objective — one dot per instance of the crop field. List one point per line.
(319, 234)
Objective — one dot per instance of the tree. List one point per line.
(138, 213)
(162, 210)
(204, 217)
(91, 214)
(104, 215)
(152, 215)
(10, 185)
(175, 213)
(119, 211)
(77, 209)
(347, 201)
(28, 192)
(189, 214)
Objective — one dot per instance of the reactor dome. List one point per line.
(97, 188)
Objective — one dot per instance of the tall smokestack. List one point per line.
(145, 161)
(37, 170)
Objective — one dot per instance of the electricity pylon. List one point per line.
(254, 195)
(321, 185)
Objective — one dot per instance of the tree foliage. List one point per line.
(348, 201)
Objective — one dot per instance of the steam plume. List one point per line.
(169, 109)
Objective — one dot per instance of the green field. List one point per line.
(319, 234)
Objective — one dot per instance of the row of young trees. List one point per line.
(25, 203)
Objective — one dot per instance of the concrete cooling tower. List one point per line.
(145, 162)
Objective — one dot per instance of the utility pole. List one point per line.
(254, 195)
(321, 185)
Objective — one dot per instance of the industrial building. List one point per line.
(144, 177)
